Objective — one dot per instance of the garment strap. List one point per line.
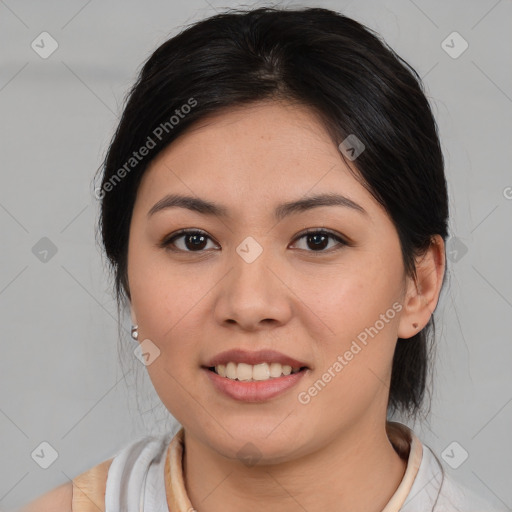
(89, 489)
(409, 447)
(176, 493)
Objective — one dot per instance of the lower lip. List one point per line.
(257, 391)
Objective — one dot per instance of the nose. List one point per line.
(253, 294)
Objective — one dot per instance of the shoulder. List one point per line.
(105, 482)
(455, 495)
(84, 493)
(56, 500)
(434, 487)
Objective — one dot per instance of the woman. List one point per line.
(274, 207)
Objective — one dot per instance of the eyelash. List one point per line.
(168, 241)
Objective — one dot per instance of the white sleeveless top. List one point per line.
(136, 480)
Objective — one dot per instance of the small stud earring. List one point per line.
(135, 332)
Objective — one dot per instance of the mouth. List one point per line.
(254, 373)
(254, 376)
(244, 387)
(238, 364)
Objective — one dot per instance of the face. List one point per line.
(330, 299)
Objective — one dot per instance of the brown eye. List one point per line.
(193, 241)
(318, 240)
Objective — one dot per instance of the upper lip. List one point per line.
(252, 358)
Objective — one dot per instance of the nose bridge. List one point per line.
(252, 292)
(252, 261)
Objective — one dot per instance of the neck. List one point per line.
(357, 470)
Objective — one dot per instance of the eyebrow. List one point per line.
(205, 207)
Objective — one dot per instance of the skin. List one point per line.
(333, 453)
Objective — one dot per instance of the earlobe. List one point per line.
(423, 292)
(134, 331)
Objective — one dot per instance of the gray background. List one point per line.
(61, 379)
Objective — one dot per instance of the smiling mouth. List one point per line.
(254, 373)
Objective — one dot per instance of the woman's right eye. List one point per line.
(192, 239)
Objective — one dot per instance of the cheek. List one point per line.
(163, 293)
(359, 315)
(167, 305)
(348, 299)
(354, 364)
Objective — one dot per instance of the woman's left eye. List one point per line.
(319, 239)
(196, 241)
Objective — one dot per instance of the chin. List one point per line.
(261, 444)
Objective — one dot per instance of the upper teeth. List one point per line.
(262, 371)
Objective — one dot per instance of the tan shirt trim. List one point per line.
(89, 489)
(176, 493)
(409, 447)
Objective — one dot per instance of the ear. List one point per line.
(422, 294)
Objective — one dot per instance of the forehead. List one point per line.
(262, 154)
